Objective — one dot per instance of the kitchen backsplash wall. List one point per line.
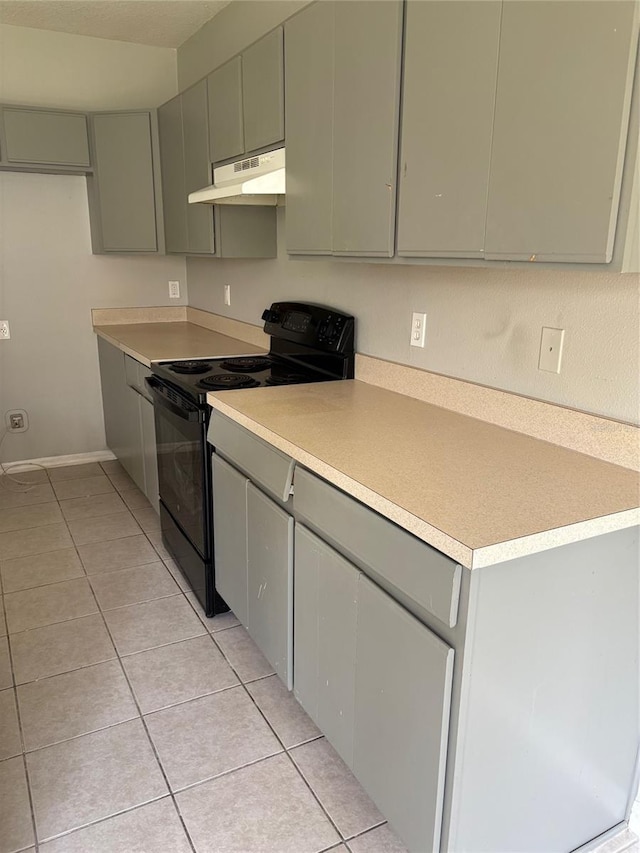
(483, 325)
(49, 280)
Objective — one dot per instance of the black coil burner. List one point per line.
(224, 381)
(189, 366)
(248, 364)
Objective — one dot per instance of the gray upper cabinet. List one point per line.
(223, 231)
(450, 68)
(309, 130)
(246, 100)
(123, 198)
(197, 168)
(367, 55)
(226, 129)
(44, 137)
(564, 87)
(343, 65)
(263, 92)
(174, 191)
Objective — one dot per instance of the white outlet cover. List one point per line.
(418, 329)
(227, 294)
(5, 334)
(174, 290)
(551, 344)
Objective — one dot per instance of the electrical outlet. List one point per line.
(551, 343)
(17, 420)
(174, 290)
(227, 294)
(5, 334)
(418, 329)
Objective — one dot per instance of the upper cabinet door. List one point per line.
(226, 131)
(309, 129)
(450, 68)
(197, 167)
(263, 92)
(47, 138)
(368, 44)
(174, 193)
(124, 182)
(564, 87)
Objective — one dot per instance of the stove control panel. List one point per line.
(310, 326)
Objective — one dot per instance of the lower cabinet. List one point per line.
(270, 581)
(230, 535)
(253, 546)
(128, 417)
(378, 683)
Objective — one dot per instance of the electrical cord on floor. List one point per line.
(5, 471)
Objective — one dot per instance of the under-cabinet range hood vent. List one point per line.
(254, 180)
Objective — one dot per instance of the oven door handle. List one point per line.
(169, 399)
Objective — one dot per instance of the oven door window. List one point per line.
(181, 472)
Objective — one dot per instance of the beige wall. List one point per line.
(44, 68)
(49, 280)
(482, 325)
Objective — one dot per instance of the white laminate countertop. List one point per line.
(147, 342)
(478, 492)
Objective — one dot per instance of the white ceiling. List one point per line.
(162, 23)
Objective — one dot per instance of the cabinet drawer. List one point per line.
(392, 556)
(265, 465)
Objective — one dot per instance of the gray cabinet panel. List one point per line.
(113, 384)
(124, 182)
(39, 136)
(149, 452)
(309, 129)
(392, 556)
(197, 168)
(267, 466)
(450, 67)
(270, 581)
(326, 613)
(560, 126)
(226, 130)
(230, 535)
(174, 192)
(263, 92)
(368, 47)
(403, 695)
(245, 232)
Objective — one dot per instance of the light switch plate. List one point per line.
(551, 343)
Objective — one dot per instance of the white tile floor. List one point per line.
(128, 721)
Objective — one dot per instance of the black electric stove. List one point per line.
(309, 343)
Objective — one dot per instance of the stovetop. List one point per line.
(196, 378)
(309, 343)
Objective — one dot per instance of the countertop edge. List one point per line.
(122, 347)
(468, 557)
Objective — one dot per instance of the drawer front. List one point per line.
(394, 556)
(265, 465)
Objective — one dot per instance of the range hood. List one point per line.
(254, 180)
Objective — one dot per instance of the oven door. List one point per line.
(183, 476)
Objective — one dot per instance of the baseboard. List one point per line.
(59, 461)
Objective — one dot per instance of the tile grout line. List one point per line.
(141, 716)
(135, 700)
